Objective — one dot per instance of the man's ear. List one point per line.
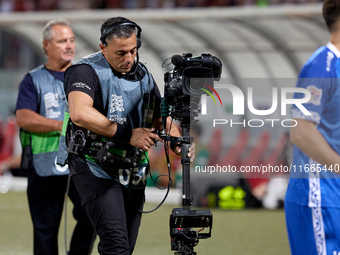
(45, 44)
(102, 48)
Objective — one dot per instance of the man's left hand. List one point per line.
(191, 153)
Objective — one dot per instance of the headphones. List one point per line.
(122, 23)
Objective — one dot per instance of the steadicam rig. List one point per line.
(184, 86)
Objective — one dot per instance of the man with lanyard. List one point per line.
(39, 113)
(312, 202)
(113, 98)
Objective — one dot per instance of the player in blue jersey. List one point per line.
(312, 202)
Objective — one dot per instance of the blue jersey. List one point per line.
(320, 188)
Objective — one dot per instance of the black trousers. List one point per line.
(112, 209)
(46, 200)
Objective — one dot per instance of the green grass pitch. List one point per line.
(244, 232)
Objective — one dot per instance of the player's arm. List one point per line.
(309, 140)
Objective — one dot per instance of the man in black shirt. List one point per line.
(116, 99)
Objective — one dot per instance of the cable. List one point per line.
(65, 226)
(149, 97)
(168, 161)
(166, 150)
(167, 187)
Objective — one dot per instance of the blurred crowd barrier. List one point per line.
(48, 5)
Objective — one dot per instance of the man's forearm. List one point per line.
(83, 114)
(310, 141)
(172, 128)
(34, 122)
(93, 120)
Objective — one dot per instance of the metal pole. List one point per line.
(185, 160)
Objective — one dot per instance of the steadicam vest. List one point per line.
(44, 146)
(122, 103)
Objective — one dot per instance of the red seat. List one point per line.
(7, 142)
(215, 146)
(254, 159)
(233, 156)
(277, 156)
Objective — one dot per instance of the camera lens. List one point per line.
(197, 84)
(194, 80)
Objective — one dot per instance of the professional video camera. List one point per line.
(184, 85)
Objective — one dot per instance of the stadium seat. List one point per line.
(7, 142)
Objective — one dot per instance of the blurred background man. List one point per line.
(40, 113)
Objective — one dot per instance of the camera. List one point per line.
(184, 85)
(191, 77)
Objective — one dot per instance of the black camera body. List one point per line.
(186, 228)
(191, 77)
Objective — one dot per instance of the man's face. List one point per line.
(120, 53)
(62, 45)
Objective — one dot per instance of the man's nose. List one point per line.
(129, 57)
(70, 44)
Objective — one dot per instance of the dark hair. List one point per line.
(331, 13)
(109, 30)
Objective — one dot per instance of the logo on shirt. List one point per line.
(316, 95)
(117, 104)
(81, 85)
(116, 118)
(51, 105)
